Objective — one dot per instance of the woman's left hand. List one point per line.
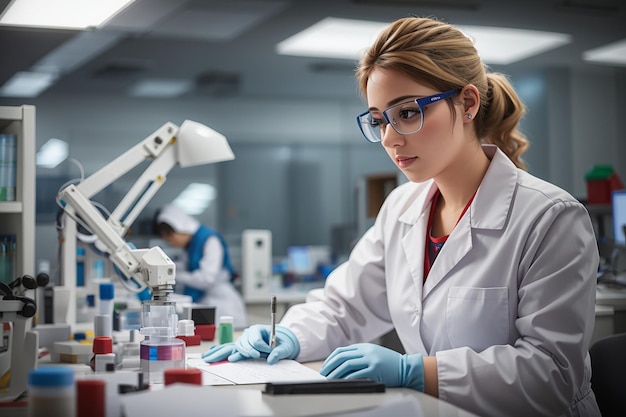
(368, 360)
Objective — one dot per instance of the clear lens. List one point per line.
(405, 118)
(370, 127)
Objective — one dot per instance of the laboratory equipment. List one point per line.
(226, 329)
(103, 357)
(90, 398)
(619, 217)
(18, 343)
(183, 376)
(51, 392)
(188, 145)
(8, 161)
(256, 254)
(160, 350)
(186, 333)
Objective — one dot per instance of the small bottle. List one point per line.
(107, 294)
(51, 392)
(226, 329)
(186, 333)
(103, 357)
(90, 398)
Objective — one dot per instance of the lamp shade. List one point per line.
(198, 144)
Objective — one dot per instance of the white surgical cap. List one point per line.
(180, 221)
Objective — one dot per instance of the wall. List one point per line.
(298, 161)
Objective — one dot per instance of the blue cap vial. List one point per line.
(106, 291)
(51, 376)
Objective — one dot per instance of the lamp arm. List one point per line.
(151, 147)
(134, 264)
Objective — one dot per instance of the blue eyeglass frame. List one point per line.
(421, 103)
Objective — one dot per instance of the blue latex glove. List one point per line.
(218, 353)
(254, 343)
(367, 360)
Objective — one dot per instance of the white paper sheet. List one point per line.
(255, 371)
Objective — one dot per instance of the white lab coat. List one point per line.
(508, 306)
(215, 280)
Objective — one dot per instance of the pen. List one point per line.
(273, 323)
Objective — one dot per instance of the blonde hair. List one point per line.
(439, 55)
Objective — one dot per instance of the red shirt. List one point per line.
(434, 244)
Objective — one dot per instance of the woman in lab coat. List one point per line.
(205, 273)
(486, 272)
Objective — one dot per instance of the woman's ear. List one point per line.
(471, 102)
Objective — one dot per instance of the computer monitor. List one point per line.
(299, 260)
(619, 217)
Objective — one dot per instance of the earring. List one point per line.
(469, 115)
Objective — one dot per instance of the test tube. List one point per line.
(107, 293)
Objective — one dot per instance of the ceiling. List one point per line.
(227, 47)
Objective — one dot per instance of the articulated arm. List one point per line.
(191, 144)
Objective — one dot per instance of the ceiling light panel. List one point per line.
(348, 39)
(27, 84)
(504, 46)
(332, 38)
(52, 153)
(611, 54)
(160, 88)
(195, 198)
(61, 14)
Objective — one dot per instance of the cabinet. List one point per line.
(371, 192)
(18, 217)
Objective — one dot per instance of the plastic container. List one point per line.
(7, 258)
(160, 354)
(160, 350)
(8, 159)
(107, 294)
(103, 356)
(51, 392)
(191, 376)
(90, 398)
(226, 331)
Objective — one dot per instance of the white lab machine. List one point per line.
(256, 262)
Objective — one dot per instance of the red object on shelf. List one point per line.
(194, 340)
(601, 182)
(90, 398)
(205, 331)
(182, 375)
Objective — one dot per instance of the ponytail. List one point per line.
(498, 119)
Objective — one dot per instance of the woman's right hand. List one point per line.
(254, 344)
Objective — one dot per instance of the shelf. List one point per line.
(18, 217)
(11, 207)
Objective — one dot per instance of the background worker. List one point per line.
(205, 272)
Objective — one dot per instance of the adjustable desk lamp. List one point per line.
(188, 145)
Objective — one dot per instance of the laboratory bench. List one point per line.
(394, 399)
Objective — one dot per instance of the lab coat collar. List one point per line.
(491, 205)
(489, 210)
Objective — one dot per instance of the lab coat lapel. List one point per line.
(489, 211)
(458, 245)
(414, 240)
